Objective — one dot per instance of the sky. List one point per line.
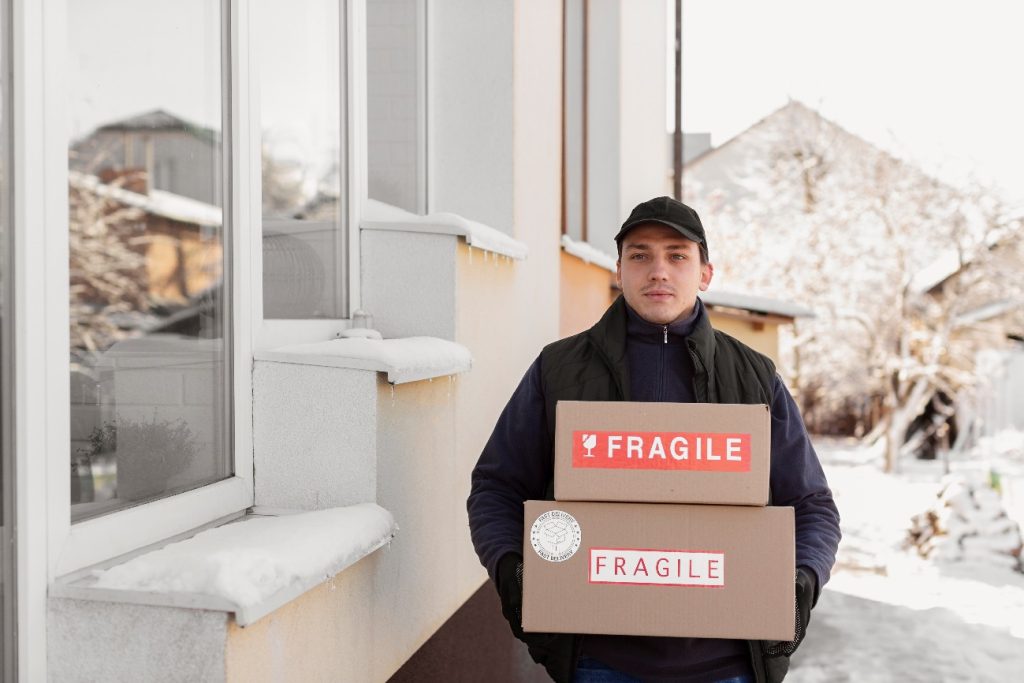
(937, 83)
(172, 60)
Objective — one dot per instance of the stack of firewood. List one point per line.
(967, 522)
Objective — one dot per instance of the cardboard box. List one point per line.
(662, 452)
(710, 571)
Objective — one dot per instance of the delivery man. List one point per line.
(653, 344)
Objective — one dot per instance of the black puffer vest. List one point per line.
(591, 366)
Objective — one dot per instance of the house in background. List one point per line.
(175, 155)
(989, 315)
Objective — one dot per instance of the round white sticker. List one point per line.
(556, 536)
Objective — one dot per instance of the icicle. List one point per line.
(451, 380)
(470, 247)
(392, 394)
(486, 254)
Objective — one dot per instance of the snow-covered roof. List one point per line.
(158, 119)
(249, 567)
(792, 106)
(588, 253)
(936, 272)
(381, 216)
(987, 312)
(404, 360)
(949, 263)
(157, 202)
(756, 304)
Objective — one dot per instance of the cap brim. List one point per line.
(685, 232)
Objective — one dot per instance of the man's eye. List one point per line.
(680, 257)
(638, 257)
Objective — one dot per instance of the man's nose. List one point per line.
(659, 270)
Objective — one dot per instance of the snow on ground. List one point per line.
(889, 615)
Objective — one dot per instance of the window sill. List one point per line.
(249, 571)
(404, 360)
(381, 216)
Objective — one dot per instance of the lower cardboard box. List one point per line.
(657, 569)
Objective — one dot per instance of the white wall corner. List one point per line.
(409, 283)
(314, 436)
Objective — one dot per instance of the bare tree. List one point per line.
(814, 214)
(107, 266)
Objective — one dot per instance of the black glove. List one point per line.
(510, 589)
(806, 596)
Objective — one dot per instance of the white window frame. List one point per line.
(73, 546)
(273, 333)
(48, 544)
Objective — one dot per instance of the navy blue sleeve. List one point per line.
(798, 480)
(515, 465)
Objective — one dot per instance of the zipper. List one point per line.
(663, 369)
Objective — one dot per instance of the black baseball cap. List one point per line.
(666, 211)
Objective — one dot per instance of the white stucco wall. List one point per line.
(508, 311)
(103, 641)
(314, 435)
(408, 283)
(643, 156)
(470, 141)
(415, 585)
(627, 156)
(324, 635)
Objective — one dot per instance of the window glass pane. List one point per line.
(148, 299)
(395, 99)
(304, 229)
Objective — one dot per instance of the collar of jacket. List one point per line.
(638, 329)
(608, 336)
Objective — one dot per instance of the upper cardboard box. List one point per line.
(662, 452)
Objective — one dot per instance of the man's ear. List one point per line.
(618, 274)
(707, 271)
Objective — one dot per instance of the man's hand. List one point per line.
(806, 587)
(510, 589)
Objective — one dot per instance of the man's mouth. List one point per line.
(658, 294)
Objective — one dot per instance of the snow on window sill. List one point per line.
(250, 567)
(409, 359)
(381, 216)
(588, 253)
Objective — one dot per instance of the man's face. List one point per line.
(660, 273)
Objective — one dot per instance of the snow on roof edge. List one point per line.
(588, 253)
(157, 202)
(756, 304)
(381, 216)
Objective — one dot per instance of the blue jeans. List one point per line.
(592, 671)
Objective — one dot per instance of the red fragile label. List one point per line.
(706, 452)
(639, 566)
